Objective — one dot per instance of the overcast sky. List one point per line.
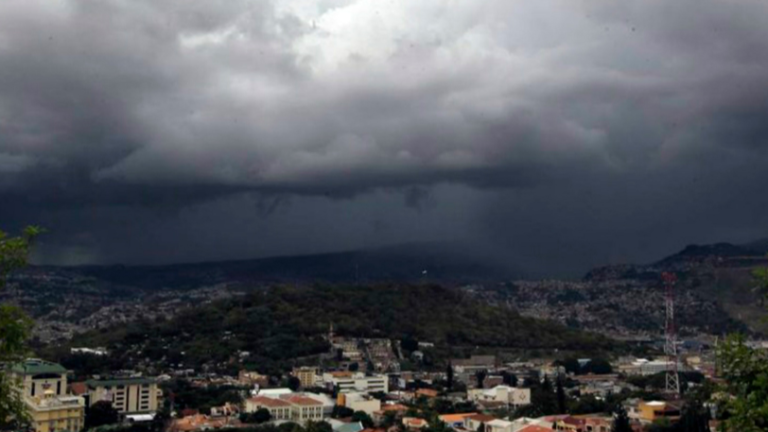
(560, 133)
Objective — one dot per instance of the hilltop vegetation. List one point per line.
(283, 323)
(715, 293)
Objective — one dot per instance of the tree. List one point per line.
(480, 377)
(598, 366)
(320, 426)
(561, 397)
(390, 419)
(481, 428)
(745, 370)
(261, 415)
(99, 414)
(15, 250)
(436, 425)
(15, 326)
(290, 427)
(293, 383)
(620, 420)
(570, 364)
(442, 406)
(543, 398)
(746, 374)
(449, 377)
(662, 424)
(362, 417)
(695, 418)
(340, 411)
(588, 404)
(510, 379)
(409, 344)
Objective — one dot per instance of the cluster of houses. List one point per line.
(488, 391)
(393, 397)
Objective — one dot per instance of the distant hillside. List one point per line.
(699, 252)
(423, 262)
(759, 246)
(714, 285)
(282, 323)
(717, 273)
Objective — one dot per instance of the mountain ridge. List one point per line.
(439, 262)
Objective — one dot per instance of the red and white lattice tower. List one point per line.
(670, 345)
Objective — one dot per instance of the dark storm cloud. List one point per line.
(152, 107)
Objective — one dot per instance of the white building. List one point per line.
(295, 408)
(274, 392)
(327, 401)
(651, 367)
(510, 395)
(360, 402)
(91, 351)
(498, 425)
(348, 382)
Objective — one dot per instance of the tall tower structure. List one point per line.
(670, 333)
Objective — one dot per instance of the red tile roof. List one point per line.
(394, 407)
(574, 421)
(78, 388)
(269, 402)
(451, 418)
(430, 393)
(482, 418)
(414, 422)
(535, 428)
(303, 400)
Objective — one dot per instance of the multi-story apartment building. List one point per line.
(44, 391)
(129, 395)
(347, 382)
(306, 375)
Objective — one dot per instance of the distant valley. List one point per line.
(714, 293)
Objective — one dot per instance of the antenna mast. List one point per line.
(670, 345)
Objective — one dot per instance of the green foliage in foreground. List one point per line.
(15, 250)
(746, 373)
(15, 326)
(283, 323)
(745, 394)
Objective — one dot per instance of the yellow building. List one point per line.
(44, 385)
(648, 412)
(306, 375)
(130, 395)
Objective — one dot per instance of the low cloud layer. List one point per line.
(520, 110)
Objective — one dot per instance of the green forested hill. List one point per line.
(281, 323)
